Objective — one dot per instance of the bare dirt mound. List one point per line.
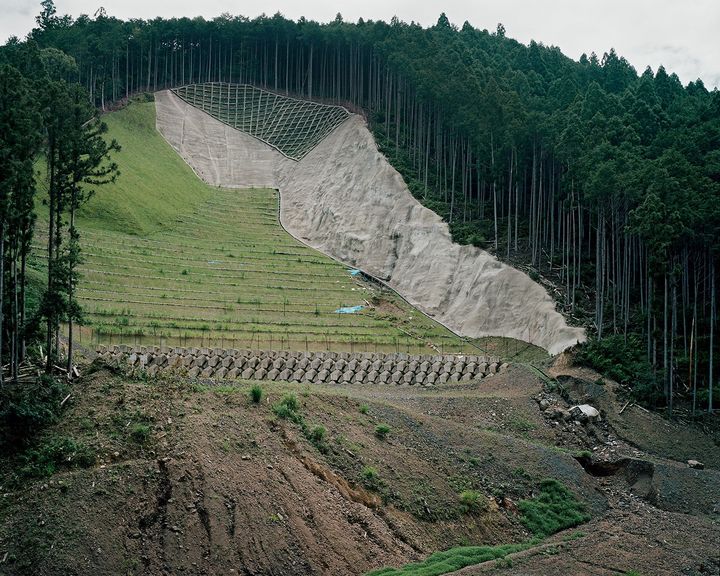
(345, 199)
(203, 481)
(198, 479)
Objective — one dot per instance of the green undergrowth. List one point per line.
(288, 408)
(27, 409)
(623, 359)
(451, 560)
(555, 508)
(53, 454)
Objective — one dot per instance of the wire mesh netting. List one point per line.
(292, 126)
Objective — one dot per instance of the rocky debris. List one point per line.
(585, 413)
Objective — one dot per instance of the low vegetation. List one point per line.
(382, 430)
(25, 410)
(555, 508)
(451, 560)
(623, 360)
(256, 393)
(472, 501)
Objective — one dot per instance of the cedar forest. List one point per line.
(602, 184)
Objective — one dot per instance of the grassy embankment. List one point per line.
(171, 260)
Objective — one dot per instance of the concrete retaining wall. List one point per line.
(310, 367)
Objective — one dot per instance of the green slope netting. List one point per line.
(292, 126)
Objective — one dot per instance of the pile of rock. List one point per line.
(554, 409)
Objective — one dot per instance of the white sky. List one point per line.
(682, 35)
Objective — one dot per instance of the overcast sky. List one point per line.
(682, 35)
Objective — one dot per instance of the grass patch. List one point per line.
(472, 501)
(382, 430)
(140, 433)
(370, 478)
(49, 456)
(554, 509)
(317, 435)
(519, 424)
(451, 560)
(155, 185)
(256, 393)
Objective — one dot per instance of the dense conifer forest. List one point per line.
(602, 183)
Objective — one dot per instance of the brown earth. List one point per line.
(221, 485)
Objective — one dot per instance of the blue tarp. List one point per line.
(349, 310)
(354, 272)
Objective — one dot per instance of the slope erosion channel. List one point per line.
(343, 198)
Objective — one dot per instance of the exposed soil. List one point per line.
(222, 485)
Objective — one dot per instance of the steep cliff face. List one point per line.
(345, 199)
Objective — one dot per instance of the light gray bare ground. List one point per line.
(344, 199)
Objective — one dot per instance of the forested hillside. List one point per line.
(602, 181)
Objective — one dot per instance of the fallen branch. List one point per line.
(623, 408)
(65, 399)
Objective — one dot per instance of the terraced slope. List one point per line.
(344, 199)
(171, 260)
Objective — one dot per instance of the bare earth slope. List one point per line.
(345, 199)
(200, 480)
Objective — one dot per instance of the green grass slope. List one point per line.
(171, 260)
(155, 184)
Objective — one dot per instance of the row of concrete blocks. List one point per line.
(308, 367)
(225, 352)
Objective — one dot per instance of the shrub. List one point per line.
(364, 408)
(472, 501)
(382, 430)
(256, 393)
(554, 509)
(370, 478)
(45, 459)
(140, 433)
(369, 473)
(291, 401)
(287, 408)
(623, 360)
(28, 409)
(317, 434)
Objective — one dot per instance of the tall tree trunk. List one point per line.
(2, 299)
(51, 238)
(23, 303)
(712, 334)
